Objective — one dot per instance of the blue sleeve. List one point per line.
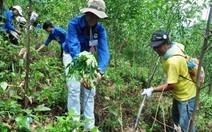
(8, 21)
(39, 26)
(72, 40)
(49, 39)
(64, 33)
(102, 50)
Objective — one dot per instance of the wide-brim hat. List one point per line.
(21, 19)
(96, 7)
(159, 37)
(19, 9)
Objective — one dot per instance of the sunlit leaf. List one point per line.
(4, 85)
(42, 109)
(22, 123)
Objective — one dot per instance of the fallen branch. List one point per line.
(104, 119)
(161, 123)
(160, 98)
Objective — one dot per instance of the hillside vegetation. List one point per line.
(42, 107)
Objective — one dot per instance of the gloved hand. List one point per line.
(148, 92)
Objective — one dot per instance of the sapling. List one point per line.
(84, 68)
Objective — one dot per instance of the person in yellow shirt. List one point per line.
(178, 79)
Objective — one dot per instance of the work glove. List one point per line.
(148, 92)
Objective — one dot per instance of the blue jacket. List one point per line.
(8, 21)
(58, 34)
(77, 40)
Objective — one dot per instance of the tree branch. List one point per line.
(209, 48)
(199, 68)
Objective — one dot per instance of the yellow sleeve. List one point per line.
(172, 72)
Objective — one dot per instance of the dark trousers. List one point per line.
(13, 40)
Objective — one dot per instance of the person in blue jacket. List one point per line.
(55, 33)
(8, 26)
(84, 33)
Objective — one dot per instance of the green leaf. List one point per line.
(4, 85)
(113, 112)
(120, 120)
(17, 97)
(23, 75)
(22, 123)
(95, 129)
(42, 109)
(27, 111)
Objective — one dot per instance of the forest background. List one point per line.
(42, 106)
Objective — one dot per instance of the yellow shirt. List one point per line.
(174, 67)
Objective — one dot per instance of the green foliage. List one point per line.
(204, 111)
(4, 85)
(3, 127)
(65, 123)
(42, 109)
(22, 124)
(84, 67)
(129, 27)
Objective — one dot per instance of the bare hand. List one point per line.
(18, 32)
(85, 84)
(98, 76)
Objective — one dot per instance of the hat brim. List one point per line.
(20, 13)
(100, 14)
(156, 43)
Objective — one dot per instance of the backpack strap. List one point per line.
(186, 78)
(184, 56)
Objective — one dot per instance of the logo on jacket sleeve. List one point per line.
(95, 36)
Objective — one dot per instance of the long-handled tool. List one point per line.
(142, 103)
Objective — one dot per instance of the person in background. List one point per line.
(33, 16)
(21, 21)
(8, 26)
(55, 33)
(178, 82)
(34, 22)
(84, 33)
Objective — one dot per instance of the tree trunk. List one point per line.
(27, 56)
(205, 46)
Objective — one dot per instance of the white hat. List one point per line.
(21, 19)
(97, 7)
(33, 16)
(19, 10)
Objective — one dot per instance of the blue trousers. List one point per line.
(181, 113)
